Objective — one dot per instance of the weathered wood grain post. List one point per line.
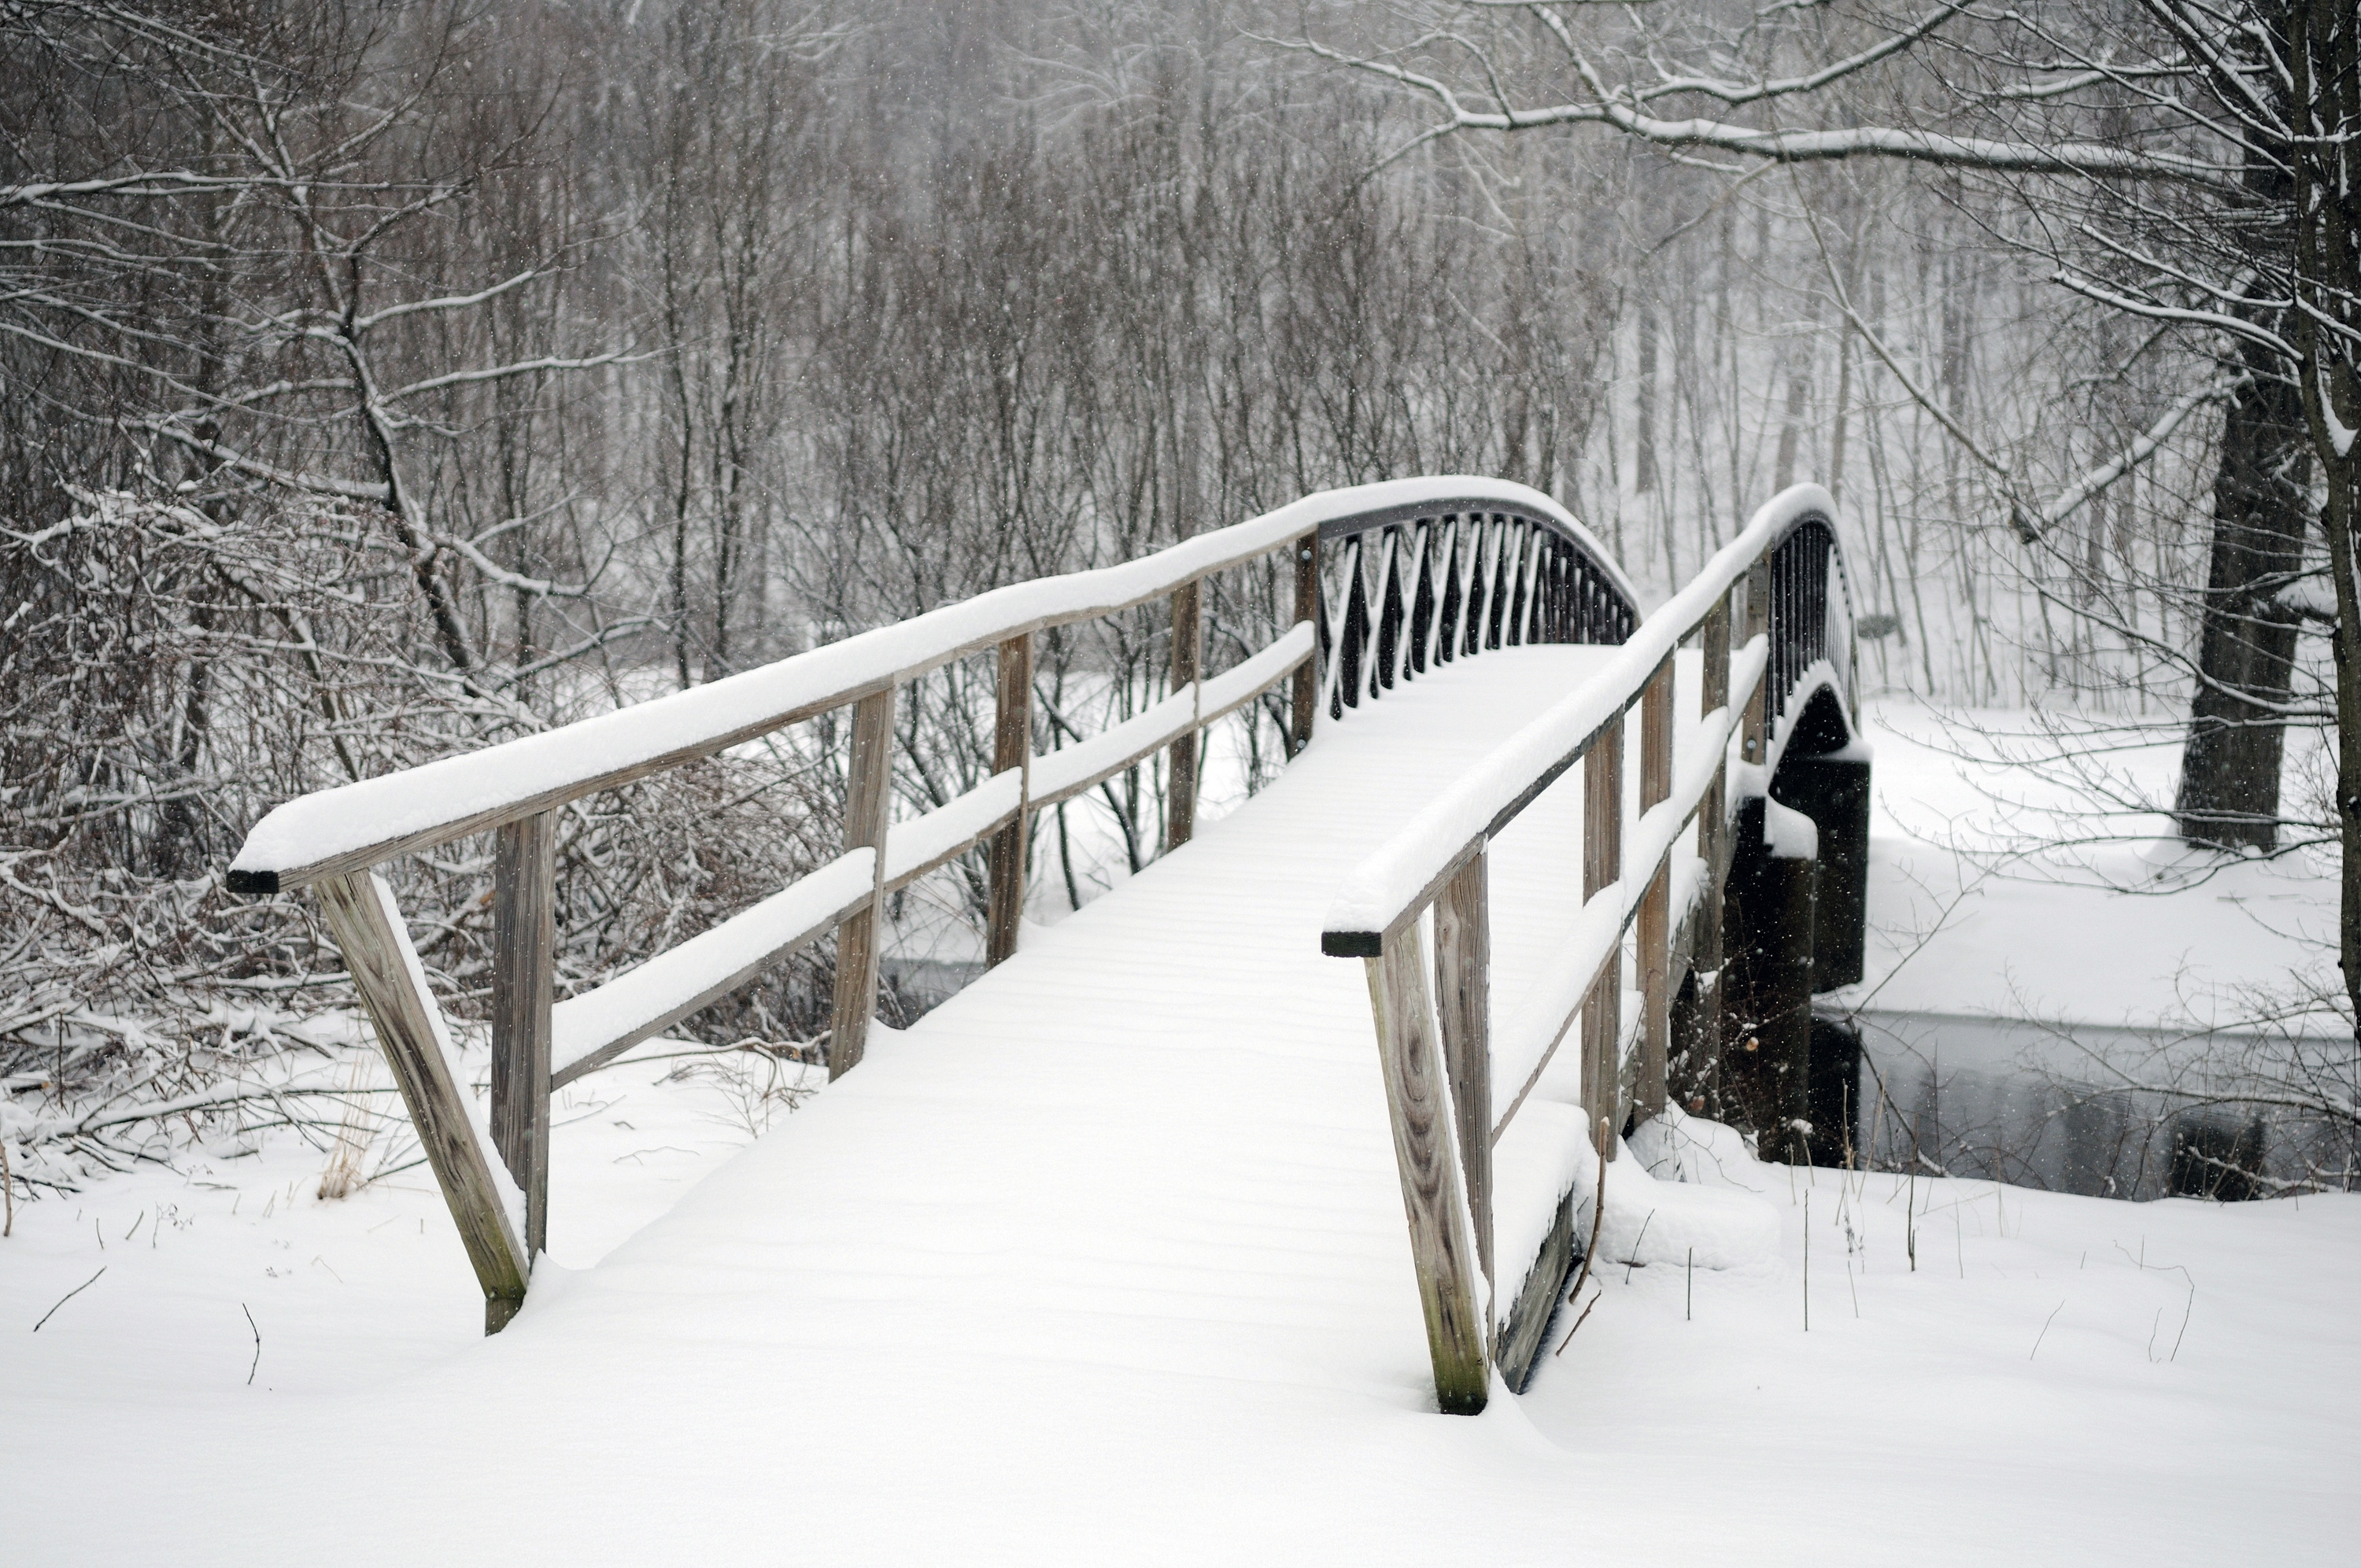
(1432, 1198)
(866, 801)
(409, 1030)
(1655, 923)
(1012, 747)
(1700, 1048)
(1602, 864)
(1188, 660)
(1306, 692)
(1463, 983)
(524, 939)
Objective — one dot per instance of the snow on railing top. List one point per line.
(1452, 497)
(344, 830)
(1396, 881)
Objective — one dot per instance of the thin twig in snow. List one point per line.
(69, 1295)
(1632, 1262)
(1578, 1321)
(2045, 1331)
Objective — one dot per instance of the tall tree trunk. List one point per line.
(2230, 764)
(2325, 85)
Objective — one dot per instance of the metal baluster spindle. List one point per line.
(1421, 604)
(1353, 649)
(1447, 614)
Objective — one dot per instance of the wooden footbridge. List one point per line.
(1168, 1106)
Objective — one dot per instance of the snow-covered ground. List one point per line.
(204, 1259)
(2005, 892)
(1104, 1261)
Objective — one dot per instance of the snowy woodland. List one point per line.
(382, 382)
(378, 381)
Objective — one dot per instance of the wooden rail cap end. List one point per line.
(253, 885)
(1353, 944)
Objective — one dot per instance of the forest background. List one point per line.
(378, 381)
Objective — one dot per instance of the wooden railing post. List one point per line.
(1188, 660)
(1012, 747)
(524, 938)
(1656, 904)
(1462, 986)
(1713, 848)
(385, 970)
(1307, 674)
(1602, 864)
(1432, 1194)
(865, 803)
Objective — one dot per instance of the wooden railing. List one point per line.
(331, 842)
(1438, 1041)
(1426, 583)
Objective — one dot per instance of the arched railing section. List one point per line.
(1810, 623)
(494, 1169)
(1447, 1061)
(1432, 581)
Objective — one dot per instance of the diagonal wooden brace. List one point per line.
(368, 926)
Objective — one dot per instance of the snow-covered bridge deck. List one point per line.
(1143, 1166)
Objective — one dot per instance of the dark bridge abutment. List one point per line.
(1824, 773)
(1795, 915)
(1768, 921)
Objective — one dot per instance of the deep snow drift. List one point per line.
(1103, 1262)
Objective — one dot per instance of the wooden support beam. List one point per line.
(1012, 747)
(867, 797)
(1655, 926)
(1463, 984)
(1307, 675)
(524, 944)
(1655, 935)
(1602, 865)
(1433, 1200)
(368, 927)
(1535, 1306)
(1188, 663)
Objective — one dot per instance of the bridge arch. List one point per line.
(1479, 565)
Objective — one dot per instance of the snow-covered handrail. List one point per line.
(1439, 1049)
(353, 826)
